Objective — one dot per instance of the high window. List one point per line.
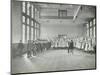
(30, 24)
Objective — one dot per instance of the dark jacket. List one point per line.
(71, 45)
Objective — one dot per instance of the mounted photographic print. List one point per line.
(52, 37)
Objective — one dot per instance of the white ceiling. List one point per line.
(85, 13)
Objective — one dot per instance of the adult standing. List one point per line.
(20, 47)
(71, 46)
(34, 48)
(68, 45)
(29, 48)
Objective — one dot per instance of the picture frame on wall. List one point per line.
(52, 37)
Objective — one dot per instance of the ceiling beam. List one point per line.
(56, 17)
(76, 13)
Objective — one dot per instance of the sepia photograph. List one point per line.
(52, 37)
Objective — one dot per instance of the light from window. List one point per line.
(93, 21)
(23, 33)
(87, 26)
(28, 8)
(38, 33)
(23, 7)
(35, 34)
(27, 32)
(90, 32)
(32, 10)
(35, 13)
(23, 19)
(31, 33)
(90, 23)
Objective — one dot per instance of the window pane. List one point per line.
(28, 7)
(35, 13)
(31, 33)
(32, 10)
(90, 23)
(23, 19)
(62, 13)
(35, 34)
(23, 7)
(27, 32)
(23, 33)
(90, 32)
(93, 21)
(87, 26)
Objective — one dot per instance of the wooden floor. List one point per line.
(54, 60)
